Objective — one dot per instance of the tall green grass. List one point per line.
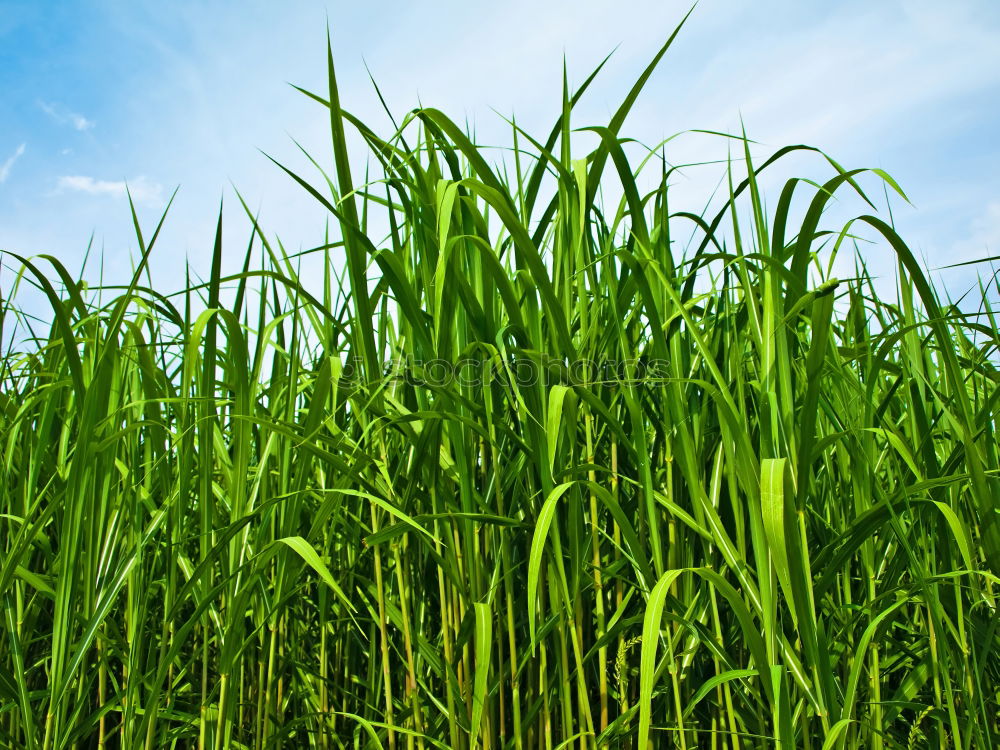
(533, 471)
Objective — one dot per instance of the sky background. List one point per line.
(188, 94)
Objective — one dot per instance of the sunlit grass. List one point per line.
(548, 480)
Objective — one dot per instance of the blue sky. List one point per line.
(188, 93)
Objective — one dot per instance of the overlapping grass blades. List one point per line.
(537, 474)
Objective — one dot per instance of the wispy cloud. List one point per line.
(984, 234)
(980, 243)
(7, 165)
(64, 116)
(142, 189)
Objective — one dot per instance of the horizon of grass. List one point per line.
(521, 476)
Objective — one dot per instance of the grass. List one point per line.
(534, 472)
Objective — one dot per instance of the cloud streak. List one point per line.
(64, 116)
(142, 189)
(9, 164)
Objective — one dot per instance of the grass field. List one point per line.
(534, 469)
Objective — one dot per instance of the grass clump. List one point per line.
(536, 472)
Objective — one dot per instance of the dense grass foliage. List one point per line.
(534, 472)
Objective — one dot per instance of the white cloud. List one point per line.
(80, 122)
(7, 165)
(142, 189)
(980, 244)
(984, 235)
(64, 116)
